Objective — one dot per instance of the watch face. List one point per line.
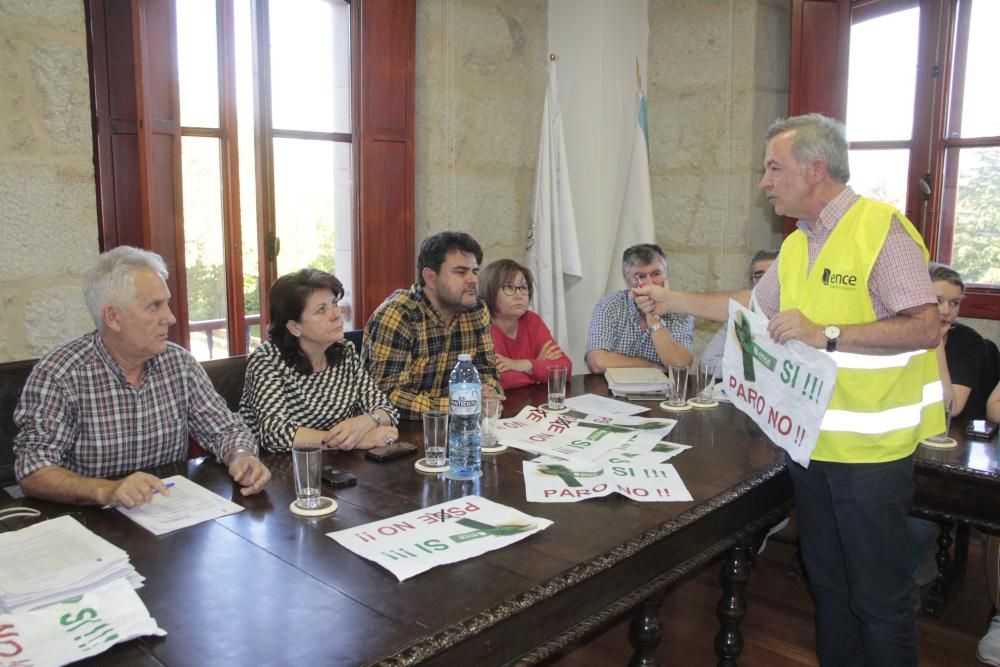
(832, 331)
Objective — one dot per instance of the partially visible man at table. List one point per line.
(620, 335)
(413, 340)
(851, 279)
(103, 407)
(716, 348)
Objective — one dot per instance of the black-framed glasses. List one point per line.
(510, 290)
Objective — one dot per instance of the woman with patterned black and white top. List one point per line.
(306, 384)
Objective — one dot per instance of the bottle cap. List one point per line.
(465, 357)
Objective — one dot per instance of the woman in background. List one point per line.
(971, 373)
(525, 348)
(306, 384)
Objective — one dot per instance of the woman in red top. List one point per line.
(524, 346)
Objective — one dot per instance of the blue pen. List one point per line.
(113, 505)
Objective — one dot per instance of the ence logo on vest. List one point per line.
(839, 280)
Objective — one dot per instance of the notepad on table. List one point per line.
(625, 381)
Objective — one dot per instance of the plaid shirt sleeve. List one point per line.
(47, 424)
(899, 279)
(209, 418)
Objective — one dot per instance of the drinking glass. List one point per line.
(488, 420)
(435, 438)
(557, 387)
(677, 397)
(307, 462)
(943, 437)
(704, 382)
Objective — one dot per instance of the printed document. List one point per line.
(187, 504)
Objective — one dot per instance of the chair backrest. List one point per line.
(13, 375)
(227, 376)
(355, 336)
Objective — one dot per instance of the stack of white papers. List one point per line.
(626, 381)
(55, 560)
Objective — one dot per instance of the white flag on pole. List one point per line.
(552, 246)
(635, 223)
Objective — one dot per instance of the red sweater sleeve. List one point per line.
(532, 334)
(538, 334)
(507, 347)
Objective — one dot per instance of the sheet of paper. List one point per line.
(568, 482)
(592, 404)
(581, 437)
(56, 559)
(186, 505)
(75, 628)
(449, 532)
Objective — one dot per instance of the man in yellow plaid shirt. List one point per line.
(413, 340)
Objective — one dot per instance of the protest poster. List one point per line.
(783, 388)
(580, 437)
(449, 532)
(566, 482)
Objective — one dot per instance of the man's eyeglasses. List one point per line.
(510, 290)
(756, 276)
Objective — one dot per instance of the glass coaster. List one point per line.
(422, 466)
(326, 506)
(549, 408)
(674, 408)
(695, 403)
(498, 449)
(943, 443)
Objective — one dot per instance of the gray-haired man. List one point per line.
(620, 335)
(104, 406)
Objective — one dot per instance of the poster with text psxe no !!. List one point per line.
(784, 388)
(449, 532)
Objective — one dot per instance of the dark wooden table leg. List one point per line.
(938, 594)
(961, 547)
(732, 606)
(645, 631)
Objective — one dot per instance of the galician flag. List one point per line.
(552, 246)
(635, 223)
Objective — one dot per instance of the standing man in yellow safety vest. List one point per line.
(852, 280)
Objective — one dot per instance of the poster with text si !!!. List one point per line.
(566, 482)
(415, 542)
(784, 388)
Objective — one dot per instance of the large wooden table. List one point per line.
(265, 587)
(960, 488)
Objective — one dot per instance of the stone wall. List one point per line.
(47, 194)
(718, 74)
(480, 84)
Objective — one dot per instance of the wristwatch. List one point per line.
(656, 326)
(378, 420)
(832, 333)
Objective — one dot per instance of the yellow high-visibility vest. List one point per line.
(882, 405)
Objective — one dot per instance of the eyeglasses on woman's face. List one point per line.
(510, 290)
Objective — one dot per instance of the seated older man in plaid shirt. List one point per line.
(414, 338)
(620, 335)
(120, 399)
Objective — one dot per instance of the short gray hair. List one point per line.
(817, 136)
(641, 255)
(110, 280)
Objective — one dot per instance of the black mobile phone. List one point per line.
(338, 479)
(981, 428)
(390, 452)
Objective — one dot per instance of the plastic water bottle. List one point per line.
(465, 391)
